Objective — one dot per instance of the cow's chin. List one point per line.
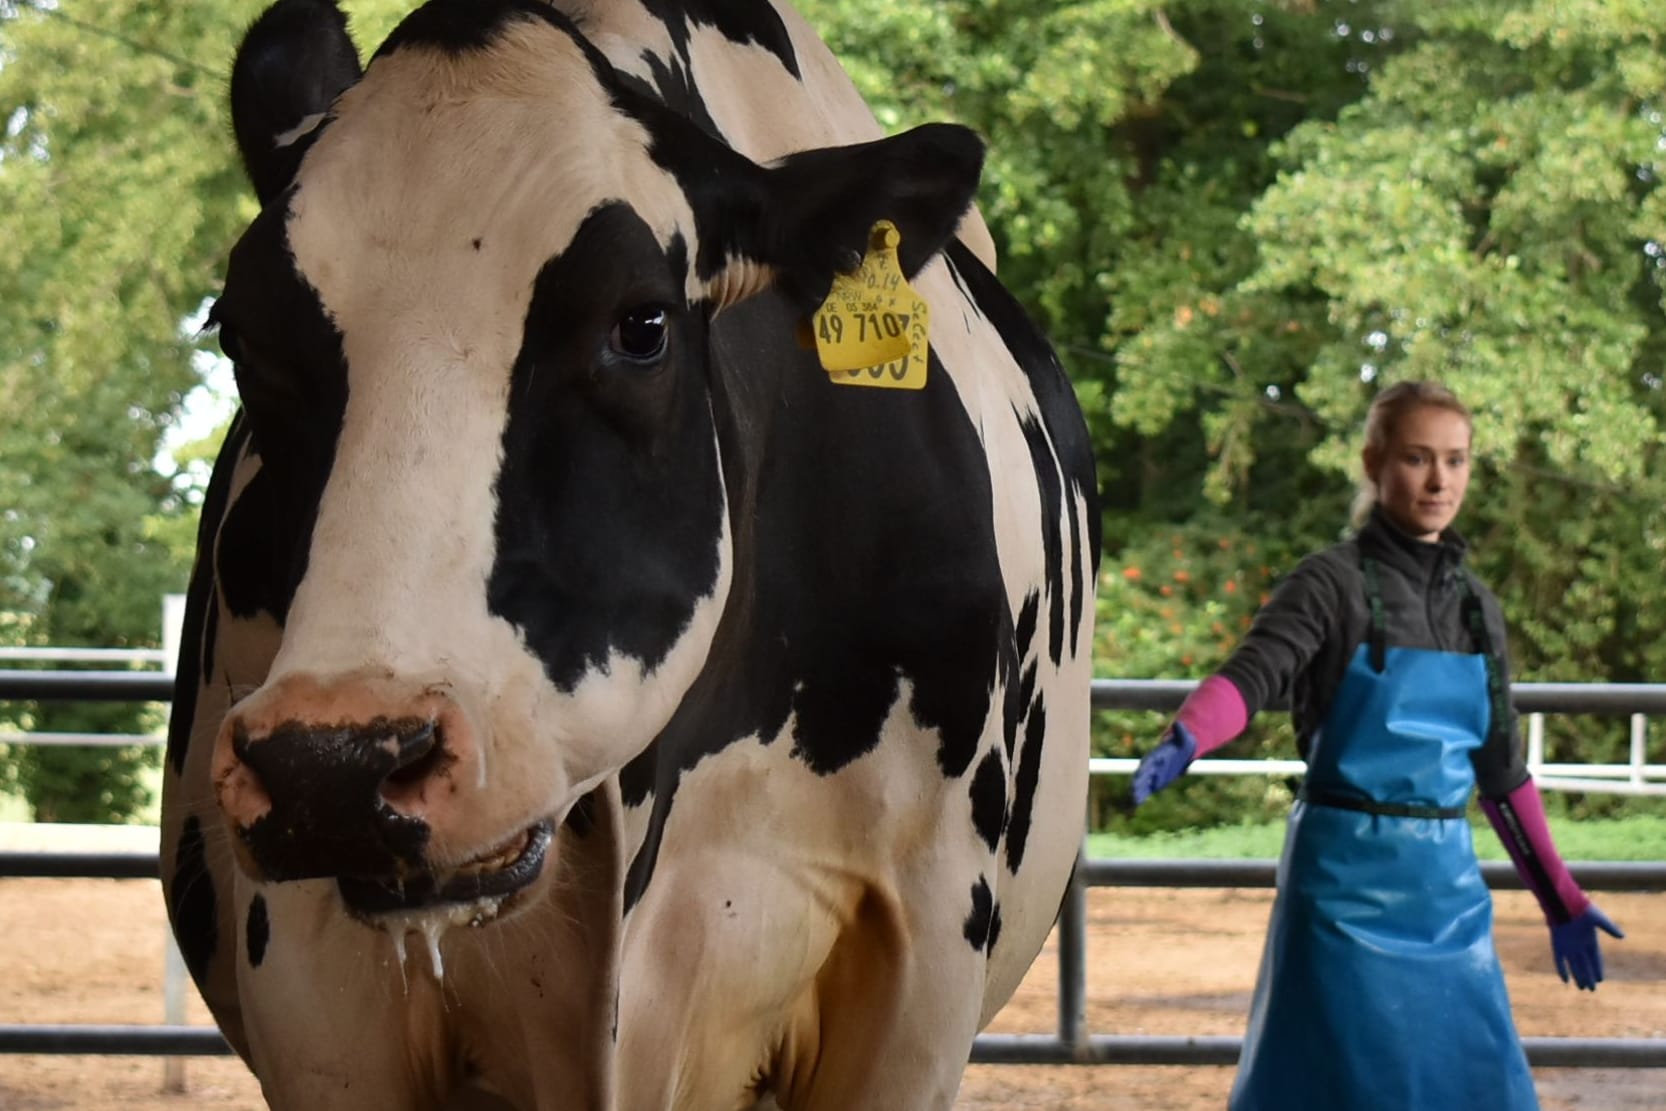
(471, 894)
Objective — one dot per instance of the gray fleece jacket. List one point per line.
(1302, 640)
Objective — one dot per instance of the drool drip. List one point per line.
(432, 924)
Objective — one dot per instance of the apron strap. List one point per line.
(1320, 797)
(1498, 698)
(1378, 636)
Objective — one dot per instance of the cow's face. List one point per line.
(470, 329)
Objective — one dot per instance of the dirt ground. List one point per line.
(1161, 962)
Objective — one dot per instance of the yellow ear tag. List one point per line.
(872, 329)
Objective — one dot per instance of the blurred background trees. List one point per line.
(1240, 219)
(1236, 219)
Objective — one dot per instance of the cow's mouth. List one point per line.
(482, 883)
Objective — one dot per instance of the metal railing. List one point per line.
(1072, 1044)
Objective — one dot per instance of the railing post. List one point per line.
(173, 965)
(1639, 748)
(1073, 959)
(173, 1012)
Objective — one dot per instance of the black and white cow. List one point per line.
(586, 702)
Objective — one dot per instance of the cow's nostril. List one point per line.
(423, 756)
(415, 752)
(419, 769)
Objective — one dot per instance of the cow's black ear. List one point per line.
(822, 203)
(295, 60)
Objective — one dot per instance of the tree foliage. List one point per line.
(1236, 218)
(119, 197)
(1239, 220)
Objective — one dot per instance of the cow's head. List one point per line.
(471, 332)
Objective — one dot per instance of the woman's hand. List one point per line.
(1575, 945)
(1164, 764)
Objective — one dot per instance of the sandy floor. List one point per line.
(1162, 962)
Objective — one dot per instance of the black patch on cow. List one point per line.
(462, 26)
(192, 907)
(673, 87)
(210, 638)
(258, 931)
(1076, 592)
(202, 609)
(989, 798)
(1026, 686)
(1060, 413)
(610, 500)
(983, 923)
(1047, 475)
(1012, 708)
(864, 556)
(1025, 633)
(742, 21)
(1025, 783)
(292, 380)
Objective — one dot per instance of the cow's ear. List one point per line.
(819, 205)
(295, 60)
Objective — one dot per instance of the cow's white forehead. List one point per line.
(511, 146)
(448, 180)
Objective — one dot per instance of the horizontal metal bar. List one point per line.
(17, 864)
(87, 655)
(144, 1041)
(83, 740)
(86, 686)
(1564, 777)
(1113, 1049)
(1589, 698)
(988, 1049)
(1601, 786)
(1597, 875)
(1104, 1049)
(1598, 771)
(1529, 698)
(1108, 694)
(1125, 765)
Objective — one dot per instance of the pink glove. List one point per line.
(1519, 820)
(1213, 714)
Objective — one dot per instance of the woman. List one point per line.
(1379, 986)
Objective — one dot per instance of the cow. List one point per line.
(587, 698)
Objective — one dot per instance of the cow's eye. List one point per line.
(639, 336)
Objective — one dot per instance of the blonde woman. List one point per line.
(1379, 985)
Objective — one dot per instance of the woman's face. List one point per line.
(1422, 474)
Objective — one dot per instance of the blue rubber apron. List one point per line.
(1379, 987)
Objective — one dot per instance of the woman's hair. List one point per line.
(1383, 418)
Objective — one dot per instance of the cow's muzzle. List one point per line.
(311, 801)
(349, 781)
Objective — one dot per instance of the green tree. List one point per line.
(1238, 219)
(120, 194)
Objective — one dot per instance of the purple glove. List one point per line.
(1163, 764)
(1575, 946)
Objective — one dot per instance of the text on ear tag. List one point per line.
(872, 329)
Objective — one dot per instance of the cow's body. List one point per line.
(584, 700)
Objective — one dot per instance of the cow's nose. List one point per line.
(343, 799)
